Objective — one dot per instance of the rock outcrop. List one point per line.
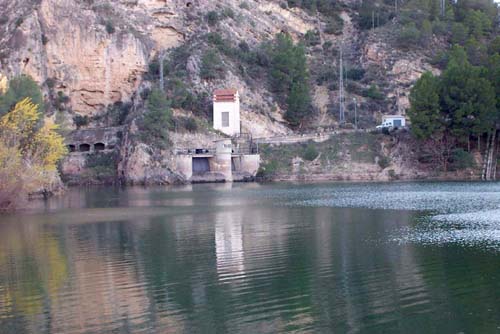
(97, 54)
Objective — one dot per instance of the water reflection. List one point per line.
(218, 259)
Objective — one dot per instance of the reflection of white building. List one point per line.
(229, 245)
(227, 111)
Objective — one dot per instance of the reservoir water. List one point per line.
(251, 258)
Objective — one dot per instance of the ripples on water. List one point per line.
(255, 259)
(463, 213)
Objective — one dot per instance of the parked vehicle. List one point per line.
(394, 121)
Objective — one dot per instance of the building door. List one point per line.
(200, 166)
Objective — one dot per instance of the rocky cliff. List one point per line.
(97, 53)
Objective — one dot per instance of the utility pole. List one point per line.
(161, 59)
(443, 7)
(355, 113)
(397, 101)
(341, 86)
(373, 20)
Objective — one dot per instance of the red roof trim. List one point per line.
(228, 91)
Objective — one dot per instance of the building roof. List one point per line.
(225, 95)
(393, 116)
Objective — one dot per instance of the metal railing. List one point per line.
(195, 151)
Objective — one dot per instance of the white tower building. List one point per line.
(227, 111)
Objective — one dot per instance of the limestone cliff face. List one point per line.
(95, 53)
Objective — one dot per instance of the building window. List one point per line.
(225, 119)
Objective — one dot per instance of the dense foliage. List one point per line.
(29, 152)
(289, 77)
(19, 88)
(156, 120)
(460, 104)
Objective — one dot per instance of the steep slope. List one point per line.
(91, 56)
(97, 52)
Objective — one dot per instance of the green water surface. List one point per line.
(243, 258)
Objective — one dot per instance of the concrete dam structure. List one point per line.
(225, 162)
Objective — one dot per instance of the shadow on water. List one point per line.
(222, 259)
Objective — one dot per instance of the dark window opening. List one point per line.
(72, 148)
(189, 4)
(99, 147)
(84, 147)
(225, 119)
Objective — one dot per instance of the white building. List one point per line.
(227, 111)
(396, 121)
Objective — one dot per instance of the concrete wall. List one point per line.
(220, 165)
(185, 166)
(250, 163)
(221, 162)
(234, 116)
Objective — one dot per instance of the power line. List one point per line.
(341, 87)
(162, 59)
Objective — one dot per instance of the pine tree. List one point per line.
(157, 120)
(425, 114)
(20, 88)
(289, 78)
(468, 98)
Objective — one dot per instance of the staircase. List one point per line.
(490, 163)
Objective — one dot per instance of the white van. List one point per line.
(393, 121)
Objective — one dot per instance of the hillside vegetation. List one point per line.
(29, 147)
(150, 68)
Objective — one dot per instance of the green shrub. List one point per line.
(334, 25)
(409, 36)
(101, 167)
(20, 88)
(117, 113)
(373, 92)
(392, 174)
(156, 121)
(110, 28)
(212, 66)
(19, 21)
(80, 121)
(212, 17)
(190, 124)
(45, 39)
(461, 159)
(312, 38)
(228, 12)
(355, 73)
(459, 33)
(51, 83)
(267, 169)
(61, 100)
(384, 162)
(244, 5)
(310, 153)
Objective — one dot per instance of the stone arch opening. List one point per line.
(189, 4)
(71, 148)
(84, 147)
(99, 147)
